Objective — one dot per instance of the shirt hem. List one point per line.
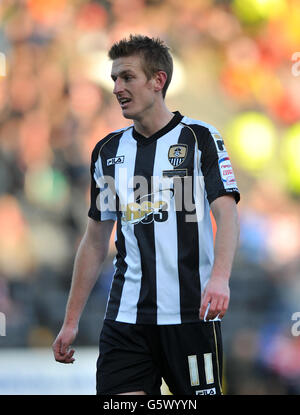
(162, 321)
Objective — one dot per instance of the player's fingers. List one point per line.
(69, 357)
(66, 358)
(56, 347)
(204, 305)
(212, 312)
(218, 309)
(71, 353)
(64, 348)
(224, 308)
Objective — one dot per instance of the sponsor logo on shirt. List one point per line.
(219, 143)
(175, 173)
(147, 210)
(226, 171)
(211, 391)
(115, 160)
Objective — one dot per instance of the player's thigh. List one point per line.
(192, 358)
(125, 363)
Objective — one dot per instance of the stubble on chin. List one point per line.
(127, 116)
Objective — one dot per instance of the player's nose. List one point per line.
(118, 86)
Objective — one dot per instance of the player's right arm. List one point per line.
(90, 256)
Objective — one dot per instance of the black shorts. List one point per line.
(135, 357)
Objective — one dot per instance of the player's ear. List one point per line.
(160, 78)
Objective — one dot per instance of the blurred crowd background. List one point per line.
(236, 67)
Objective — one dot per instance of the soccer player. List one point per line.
(159, 179)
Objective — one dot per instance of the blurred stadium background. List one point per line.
(235, 67)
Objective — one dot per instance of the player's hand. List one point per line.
(61, 346)
(215, 296)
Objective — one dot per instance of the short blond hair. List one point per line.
(154, 52)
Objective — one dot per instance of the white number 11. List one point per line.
(194, 372)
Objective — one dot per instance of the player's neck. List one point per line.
(153, 121)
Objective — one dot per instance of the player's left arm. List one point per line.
(217, 292)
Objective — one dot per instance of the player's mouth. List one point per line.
(124, 102)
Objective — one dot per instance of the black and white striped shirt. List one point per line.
(159, 191)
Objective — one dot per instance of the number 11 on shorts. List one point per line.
(194, 372)
(208, 367)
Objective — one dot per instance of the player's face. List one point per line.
(134, 92)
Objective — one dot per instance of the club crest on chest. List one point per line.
(177, 154)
